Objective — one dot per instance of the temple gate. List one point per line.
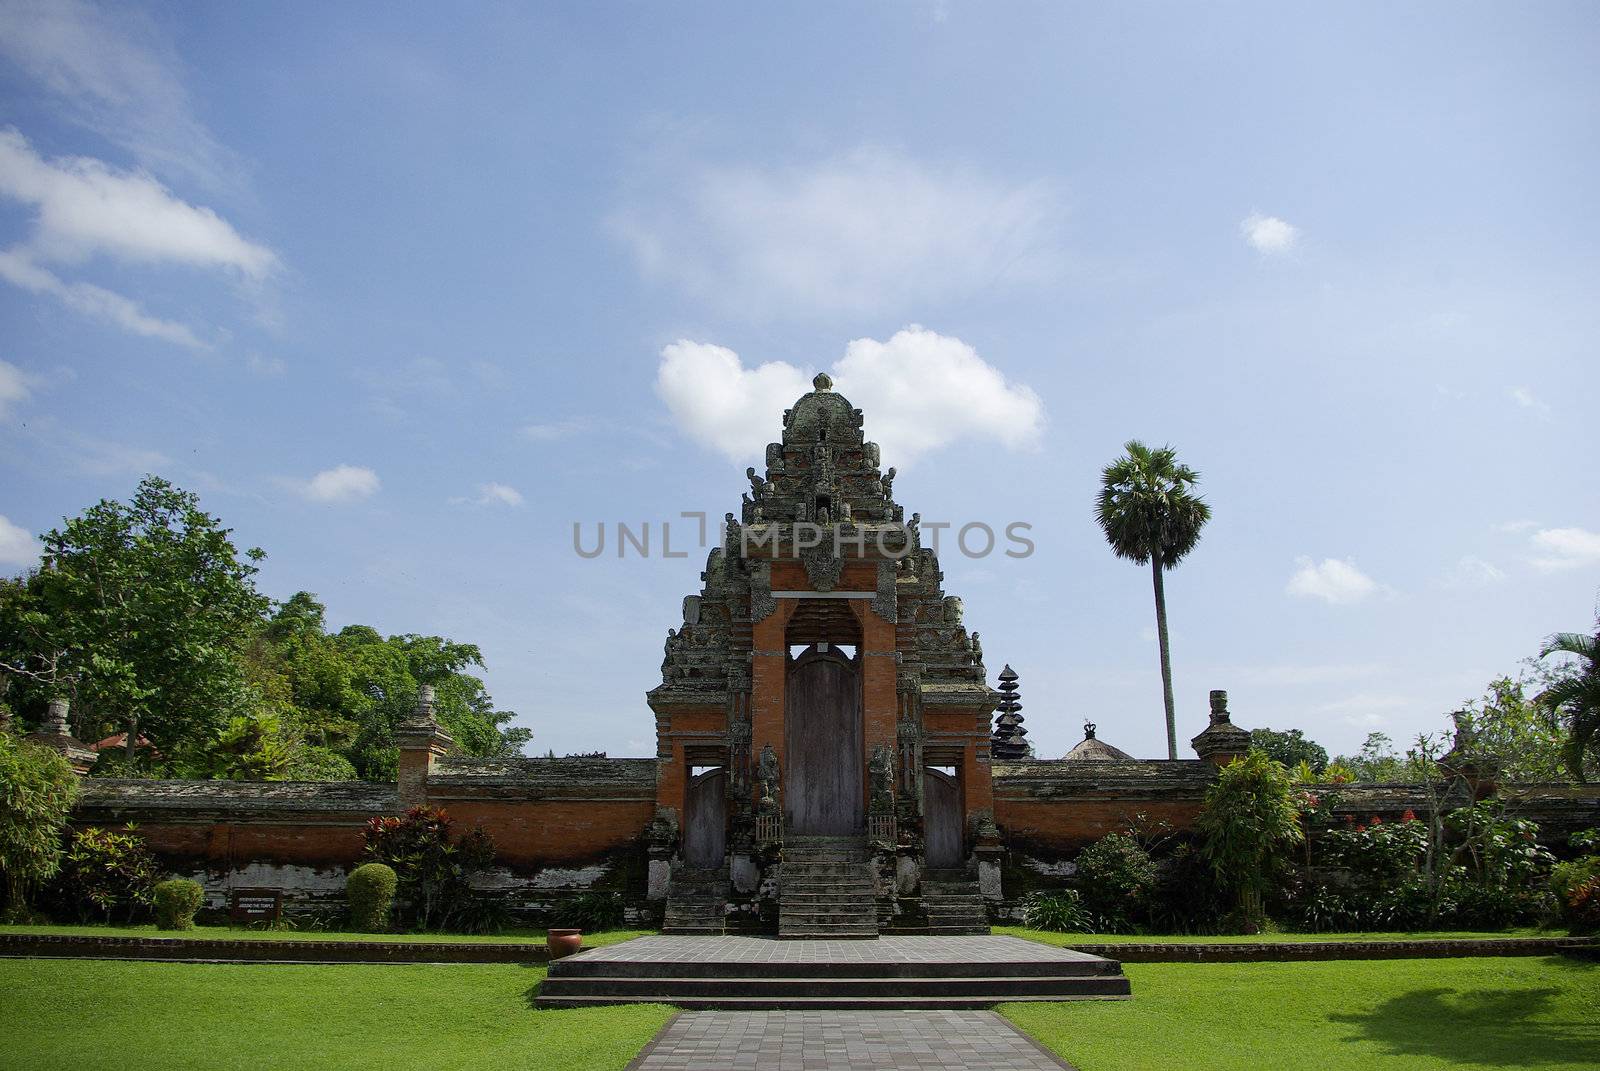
(828, 681)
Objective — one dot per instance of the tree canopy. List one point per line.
(148, 618)
(1290, 747)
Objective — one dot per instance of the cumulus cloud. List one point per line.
(1334, 581)
(117, 75)
(869, 231)
(1556, 549)
(15, 386)
(920, 390)
(342, 483)
(493, 494)
(17, 545)
(1268, 234)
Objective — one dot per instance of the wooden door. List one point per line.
(941, 812)
(705, 820)
(823, 793)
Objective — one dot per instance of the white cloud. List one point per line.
(341, 483)
(119, 76)
(871, 231)
(553, 431)
(94, 301)
(84, 208)
(1556, 549)
(490, 494)
(1331, 580)
(17, 545)
(1269, 234)
(15, 385)
(1366, 710)
(919, 390)
(1473, 572)
(1526, 399)
(1516, 527)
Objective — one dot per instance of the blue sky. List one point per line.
(405, 291)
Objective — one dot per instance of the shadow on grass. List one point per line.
(1481, 1028)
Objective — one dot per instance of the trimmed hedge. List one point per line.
(177, 899)
(370, 892)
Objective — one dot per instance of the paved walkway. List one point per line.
(837, 1040)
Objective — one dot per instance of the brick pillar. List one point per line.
(880, 692)
(56, 735)
(768, 669)
(421, 741)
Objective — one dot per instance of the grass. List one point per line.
(239, 933)
(1068, 940)
(1362, 1015)
(84, 1015)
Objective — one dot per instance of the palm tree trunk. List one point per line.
(1166, 658)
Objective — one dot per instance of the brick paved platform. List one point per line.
(944, 972)
(835, 1040)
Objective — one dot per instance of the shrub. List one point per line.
(177, 899)
(1060, 912)
(1377, 853)
(1188, 898)
(591, 911)
(1116, 878)
(37, 789)
(108, 875)
(370, 891)
(1250, 820)
(434, 868)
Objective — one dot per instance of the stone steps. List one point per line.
(826, 890)
(696, 902)
(754, 973)
(754, 990)
(953, 905)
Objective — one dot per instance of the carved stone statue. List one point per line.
(888, 482)
(977, 650)
(767, 776)
(954, 614)
(757, 484)
(880, 771)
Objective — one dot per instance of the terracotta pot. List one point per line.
(563, 942)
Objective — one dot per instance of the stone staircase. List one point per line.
(825, 889)
(697, 901)
(895, 972)
(953, 903)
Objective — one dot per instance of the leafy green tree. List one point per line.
(1377, 761)
(247, 748)
(1509, 724)
(1290, 747)
(1250, 821)
(1149, 513)
(138, 615)
(37, 790)
(1573, 699)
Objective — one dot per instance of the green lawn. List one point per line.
(1364, 1015)
(234, 933)
(83, 1015)
(1068, 940)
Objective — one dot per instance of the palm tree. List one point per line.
(1149, 513)
(1574, 697)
